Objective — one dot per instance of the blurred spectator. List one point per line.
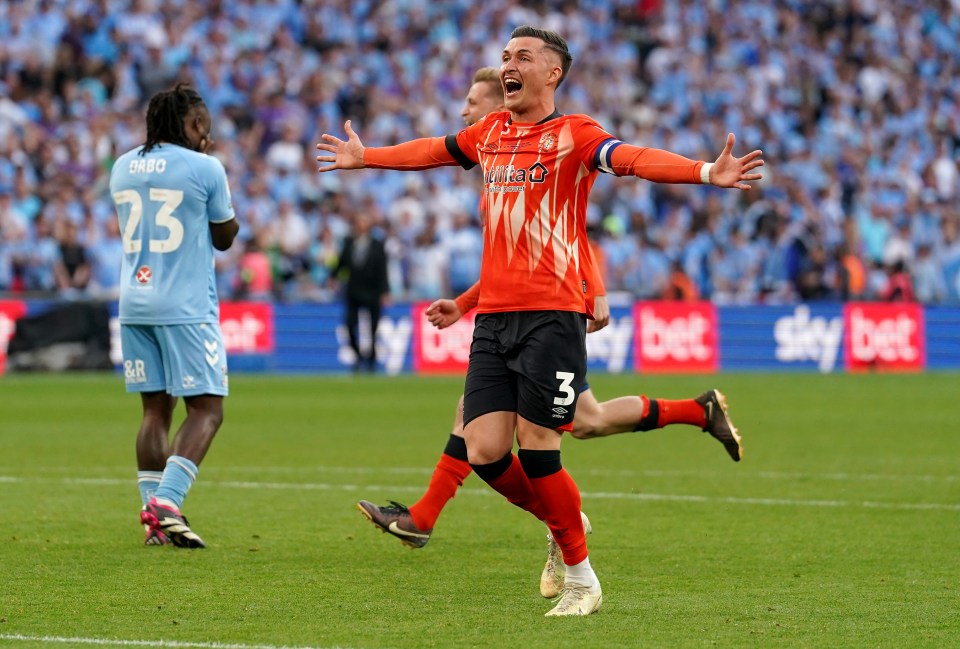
(899, 246)
(155, 73)
(428, 266)
(363, 260)
(854, 103)
(289, 236)
(106, 256)
(255, 279)
(680, 287)
(620, 256)
(25, 202)
(899, 286)
(323, 257)
(11, 217)
(851, 277)
(464, 248)
(73, 266)
(38, 257)
(811, 281)
(930, 284)
(287, 152)
(8, 243)
(650, 274)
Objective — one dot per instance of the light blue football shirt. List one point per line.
(166, 200)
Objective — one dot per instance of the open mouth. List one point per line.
(511, 87)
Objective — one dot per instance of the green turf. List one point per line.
(839, 529)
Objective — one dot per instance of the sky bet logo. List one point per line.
(535, 173)
(801, 337)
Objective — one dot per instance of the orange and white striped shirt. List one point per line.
(537, 179)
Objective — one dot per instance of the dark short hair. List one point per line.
(552, 41)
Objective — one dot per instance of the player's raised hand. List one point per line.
(443, 313)
(346, 154)
(728, 171)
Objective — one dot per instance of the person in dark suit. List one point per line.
(363, 259)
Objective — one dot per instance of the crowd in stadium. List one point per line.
(855, 104)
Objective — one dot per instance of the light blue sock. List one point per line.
(177, 479)
(148, 481)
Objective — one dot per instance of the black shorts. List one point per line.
(529, 362)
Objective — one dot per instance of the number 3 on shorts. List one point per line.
(566, 378)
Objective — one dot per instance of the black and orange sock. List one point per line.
(658, 413)
(561, 500)
(506, 476)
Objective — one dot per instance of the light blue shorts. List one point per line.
(182, 360)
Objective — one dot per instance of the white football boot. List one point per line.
(577, 599)
(551, 579)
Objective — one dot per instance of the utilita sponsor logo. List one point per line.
(885, 336)
(801, 338)
(677, 337)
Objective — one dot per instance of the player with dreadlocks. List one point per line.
(168, 114)
(173, 203)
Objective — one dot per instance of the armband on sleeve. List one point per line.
(453, 148)
(657, 165)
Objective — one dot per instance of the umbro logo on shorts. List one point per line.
(560, 411)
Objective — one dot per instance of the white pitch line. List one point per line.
(624, 473)
(173, 644)
(602, 495)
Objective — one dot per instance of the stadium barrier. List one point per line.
(646, 337)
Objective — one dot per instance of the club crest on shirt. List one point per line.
(144, 274)
(547, 142)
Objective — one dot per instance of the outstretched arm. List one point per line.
(666, 167)
(423, 153)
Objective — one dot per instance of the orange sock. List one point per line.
(446, 479)
(506, 476)
(684, 411)
(561, 498)
(658, 413)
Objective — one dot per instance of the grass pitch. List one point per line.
(839, 528)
